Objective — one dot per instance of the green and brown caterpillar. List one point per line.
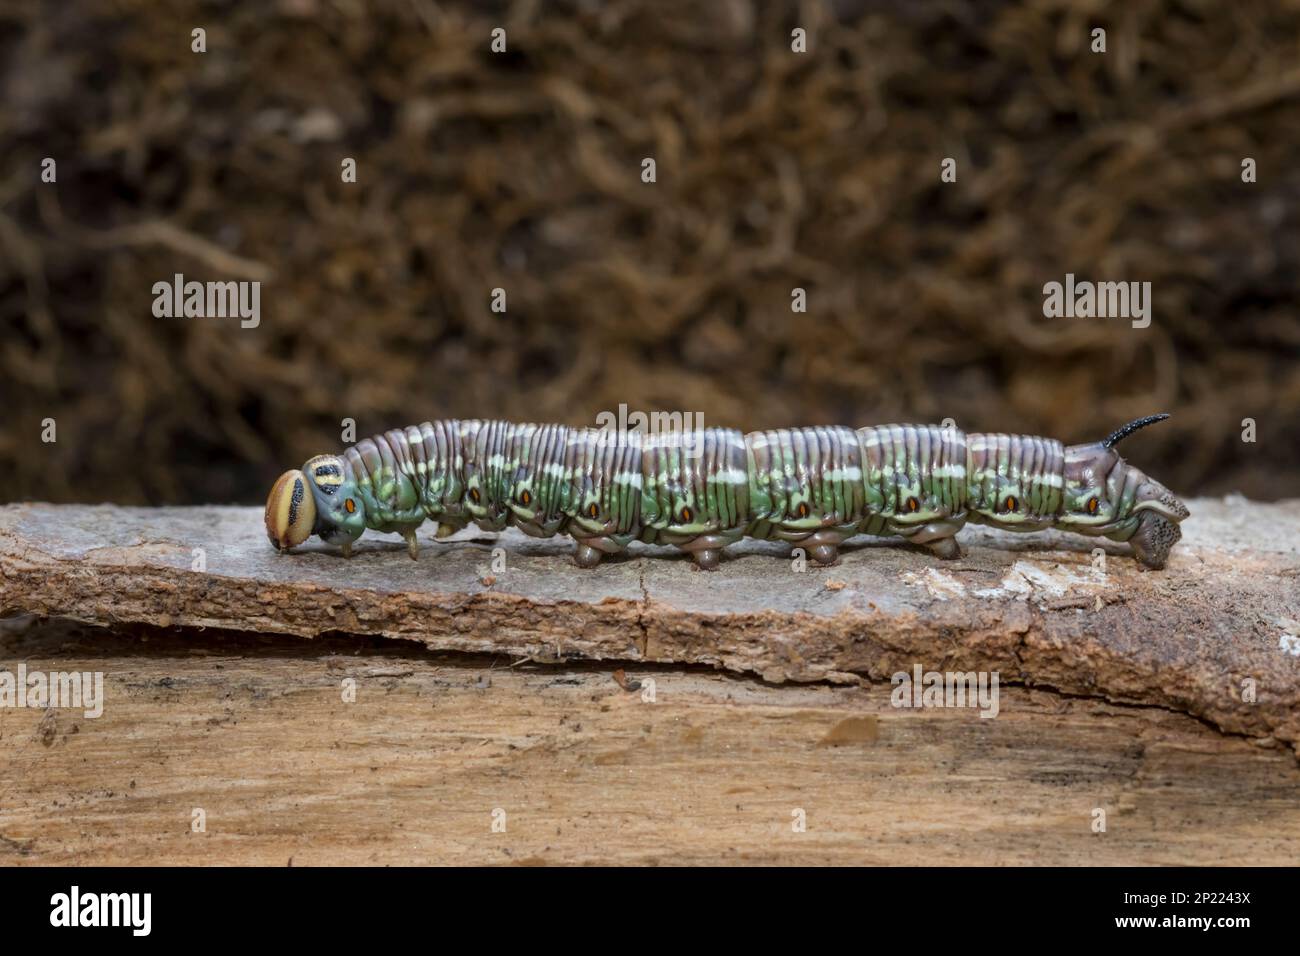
(814, 487)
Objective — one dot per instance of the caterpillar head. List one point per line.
(290, 511)
(1106, 496)
(320, 499)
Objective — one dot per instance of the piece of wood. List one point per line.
(1215, 635)
(716, 768)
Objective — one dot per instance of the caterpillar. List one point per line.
(701, 491)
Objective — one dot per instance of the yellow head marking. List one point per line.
(290, 511)
(325, 472)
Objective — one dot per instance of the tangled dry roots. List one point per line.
(522, 171)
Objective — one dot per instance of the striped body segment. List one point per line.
(700, 491)
(1014, 480)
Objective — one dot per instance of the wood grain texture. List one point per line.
(255, 732)
(1218, 625)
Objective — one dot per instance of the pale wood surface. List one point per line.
(256, 733)
(1121, 692)
(1197, 637)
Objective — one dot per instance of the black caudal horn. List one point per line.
(1119, 434)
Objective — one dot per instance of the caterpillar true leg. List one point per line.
(814, 487)
(412, 545)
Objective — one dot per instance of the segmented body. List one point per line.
(702, 491)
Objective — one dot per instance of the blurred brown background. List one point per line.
(522, 171)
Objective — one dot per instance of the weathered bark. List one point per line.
(1215, 635)
(255, 732)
